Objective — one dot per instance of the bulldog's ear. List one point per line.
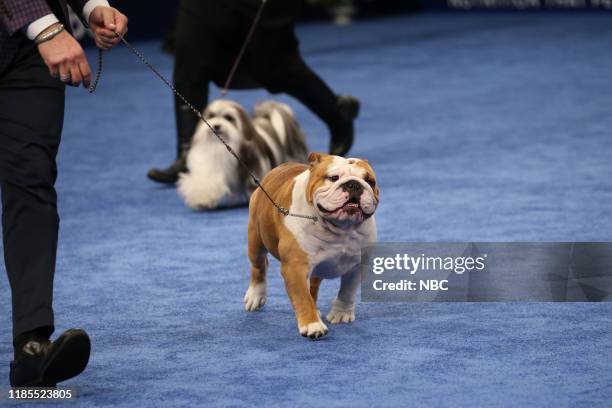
(315, 158)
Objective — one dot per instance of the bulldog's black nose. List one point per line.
(217, 128)
(352, 186)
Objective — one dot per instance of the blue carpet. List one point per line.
(480, 126)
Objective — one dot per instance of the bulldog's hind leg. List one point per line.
(343, 306)
(255, 296)
(309, 323)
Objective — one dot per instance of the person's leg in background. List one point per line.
(276, 62)
(191, 80)
(31, 119)
(336, 111)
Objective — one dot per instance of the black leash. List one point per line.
(142, 58)
(228, 81)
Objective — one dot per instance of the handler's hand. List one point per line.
(65, 59)
(104, 22)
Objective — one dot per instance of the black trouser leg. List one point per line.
(309, 89)
(186, 124)
(281, 68)
(189, 75)
(318, 97)
(191, 81)
(31, 119)
(275, 60)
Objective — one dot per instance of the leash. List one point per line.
(285, 212)
(228, 81)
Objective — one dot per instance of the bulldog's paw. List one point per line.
(255, 297)
(314, 330)
(341, 312)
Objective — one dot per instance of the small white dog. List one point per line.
(215, 178)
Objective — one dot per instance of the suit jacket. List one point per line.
(16, 15)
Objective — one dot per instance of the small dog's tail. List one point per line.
(281, 118)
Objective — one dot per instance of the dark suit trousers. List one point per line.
(31, 119)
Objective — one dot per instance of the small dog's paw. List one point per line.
(201, 194)
(255, 297)
(314, 330)
(341, 312)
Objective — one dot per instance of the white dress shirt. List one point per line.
(38, 26)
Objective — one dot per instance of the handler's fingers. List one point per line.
(104, 45)
(85, 72)
(54, 71)
(122, 22)
(103, 32)
(64, 73)
(107, 41)
(111, 42)
(75, 75)
(108, 14)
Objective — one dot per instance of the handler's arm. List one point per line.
(16, 15)
(62, 53)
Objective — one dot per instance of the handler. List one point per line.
(38, 56)
(207, 37)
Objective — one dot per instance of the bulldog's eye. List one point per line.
(228, 118)
(371, 182)
(333, 179)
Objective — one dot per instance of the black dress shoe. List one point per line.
(343, 132)
(42, 363)
(169, 175)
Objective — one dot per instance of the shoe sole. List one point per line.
(69, 358)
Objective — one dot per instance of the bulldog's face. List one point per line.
(342, 191)
(229, 120)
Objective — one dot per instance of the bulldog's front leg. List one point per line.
(343, 306)
(295, 274)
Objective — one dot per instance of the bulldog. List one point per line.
(342, 195)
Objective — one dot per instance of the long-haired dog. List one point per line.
(215, 178)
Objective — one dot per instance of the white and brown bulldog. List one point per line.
(342, 194)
